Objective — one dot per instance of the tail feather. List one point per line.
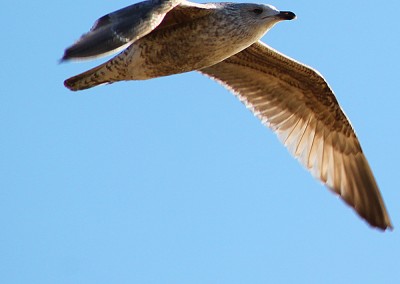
(101, 74)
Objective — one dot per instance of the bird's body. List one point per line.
(190, 37)
(191, 45)
(221, 40)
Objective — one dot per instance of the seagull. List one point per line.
(222, 41)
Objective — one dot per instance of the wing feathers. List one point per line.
(116, 30)
(296, 102)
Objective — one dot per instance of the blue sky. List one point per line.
(172, 180)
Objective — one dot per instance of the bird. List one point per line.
(158, 38)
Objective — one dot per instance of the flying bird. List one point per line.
(222, 41)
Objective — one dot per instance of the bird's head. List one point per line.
(259, 18)
(264, 14)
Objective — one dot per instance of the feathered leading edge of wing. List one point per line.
(116, 30)
(297, 103)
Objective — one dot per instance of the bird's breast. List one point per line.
(186, 47)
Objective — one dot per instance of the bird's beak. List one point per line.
(286, 15)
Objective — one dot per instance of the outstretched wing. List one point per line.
(117, 69)
(116, 30)
(297, 103)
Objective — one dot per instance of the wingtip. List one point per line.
(74, 53)
(389, 226)
(68, 55)
(382, 224)
(63, 59)
(383, 228)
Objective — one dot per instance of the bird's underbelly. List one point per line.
(183, 49)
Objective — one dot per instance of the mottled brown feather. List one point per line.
(114, 70)
(296, 102)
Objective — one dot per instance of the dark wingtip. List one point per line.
(68, 55)
(62, 59)
(383, 227)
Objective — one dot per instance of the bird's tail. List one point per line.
(105, 73)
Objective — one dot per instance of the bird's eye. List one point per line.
(258, 11)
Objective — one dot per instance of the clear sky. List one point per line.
(172, 180)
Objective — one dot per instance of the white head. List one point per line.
(256, 19)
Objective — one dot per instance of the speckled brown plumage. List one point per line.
(221, 40)
(297, 103)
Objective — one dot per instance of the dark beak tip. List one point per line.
(287, 15)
